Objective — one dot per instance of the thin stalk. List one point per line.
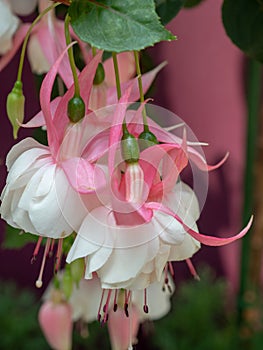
(118, 86)
(71, 57)
(253, 103)
(117, 74)
(139, 77)
(23, 51)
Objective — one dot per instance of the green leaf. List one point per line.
(16, 239)
(243, 21)
(118, 25)
(168, 9)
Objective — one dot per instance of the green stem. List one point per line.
(23, 51)
(253, 103)
(139, 76)
(117, 74)
(71, 57)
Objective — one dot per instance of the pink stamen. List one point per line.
(51, 248)
(115, 305)
(59, 254)
(36, 250)
(101, 301)
(39, 281)
(145, 306)
(171, 268)
(106, 307)
(192, 269)
(126, 303)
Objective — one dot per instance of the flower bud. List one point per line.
(130, 148)
(147, 139)
(76, 109)
(15, 106)
(100, 75)
(55, 320)
(77, 269)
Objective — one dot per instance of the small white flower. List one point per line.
(8, 26)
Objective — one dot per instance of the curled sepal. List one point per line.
(147, 139)
(15, 107)
(130, 148)
(100, 75)
(77, 269)
(76, 109)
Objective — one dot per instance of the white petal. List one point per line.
(23, 7)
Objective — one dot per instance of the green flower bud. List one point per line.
(67, 283)
(147, 139)
(15, 106)
(100, 75)
(130, 148)
(76, 109)
(77, 268)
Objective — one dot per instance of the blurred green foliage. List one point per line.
(199, 319)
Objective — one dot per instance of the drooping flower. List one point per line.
(47, 186)
(41, 56)
(120, 310)
(157, 224)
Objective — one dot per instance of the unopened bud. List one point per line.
(99, 75)
(76, 109)
(15, 105)
(147, 139)
(130, 148)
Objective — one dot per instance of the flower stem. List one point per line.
(71, 57)
(23, 52)
(94, 51)
(139, 76)
(117, 74)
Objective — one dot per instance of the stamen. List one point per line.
(130, 324)
(126, 303)
(59, 254)
(51, 248)
(115, 305)
(106, 307)
(145, 306)
(171, 269)
(101, 301)
(192, 270)
(39, 281)
(36, 250)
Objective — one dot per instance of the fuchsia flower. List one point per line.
(44, 182)
(158, 227)
(42, 56)
(124, 312)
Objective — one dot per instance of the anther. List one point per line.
(115, 305)
(145, 306)
(192, 269)
(39, 281)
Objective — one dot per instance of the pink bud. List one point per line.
(56, 324)
(122, 329)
